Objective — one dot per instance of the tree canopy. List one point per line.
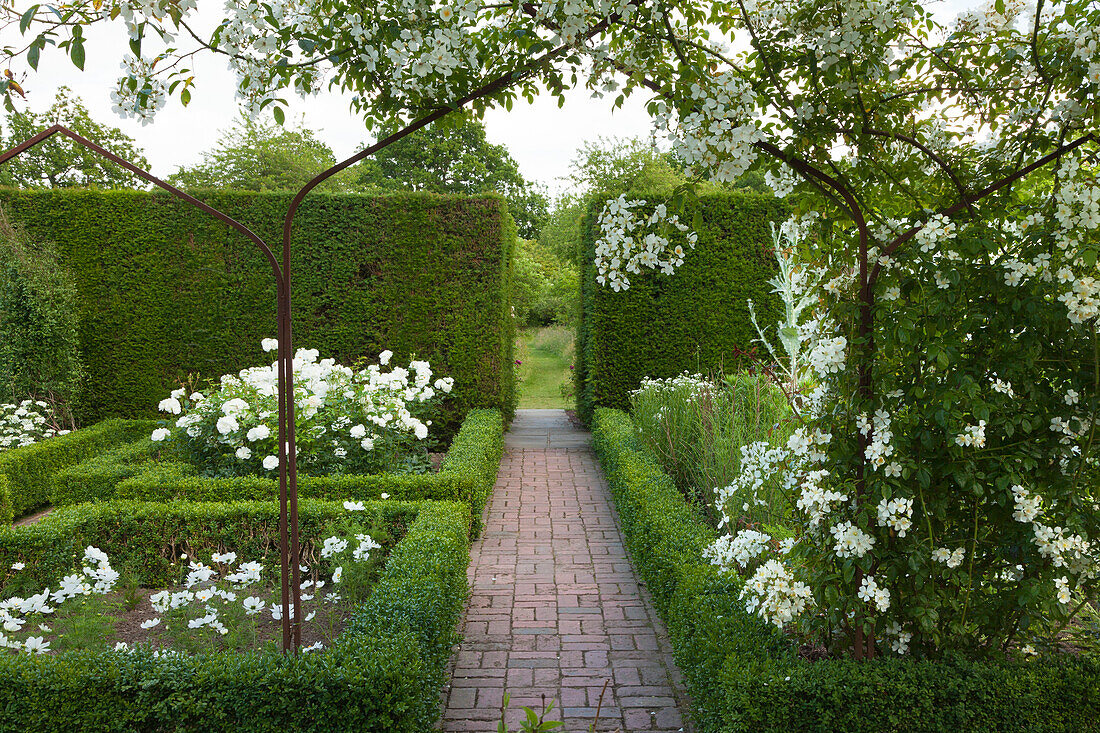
(60, 162)
(456, 158)
(254, 155)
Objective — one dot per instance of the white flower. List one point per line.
(337, 574)
(170, 405)
(253, 605)
(1071, 397)
(36, 645)
(227, 558)
(150, 623)
(271, 463)
(17, 566)
(270, 344)
(1062, 587)
(358, 431)
(317, 646)
(160, 434)
(227, 424)
(384, 495)
(421, 431)
(851, 541)
(244, 453)
(384, 357)
(333, 546)
(367, 443)
(258, 433)
(354, 506)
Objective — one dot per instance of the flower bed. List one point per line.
(26, 472)
(467, 474)
(744, 675)
(382, 673)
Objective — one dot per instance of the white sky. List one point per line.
(541, 137)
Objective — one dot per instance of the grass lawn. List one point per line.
(545, 355)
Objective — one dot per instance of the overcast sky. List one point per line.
(540, 136)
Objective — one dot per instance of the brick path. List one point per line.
(555, 605)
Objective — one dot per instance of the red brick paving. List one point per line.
(556, 609)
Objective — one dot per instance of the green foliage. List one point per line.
(39, 344)
(60, 162)
(745, 676)
(696, 320)
(545, 288)
(696, 428)
(453, 157)
(383, 674)
(166, 291)
(28, 471)
(255, 155)
(467, 474)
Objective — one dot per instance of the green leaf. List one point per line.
(77, 54)
(32, 55)
(185, 97)
(27, 18)
(280, 116)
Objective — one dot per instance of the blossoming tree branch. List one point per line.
(941, 491)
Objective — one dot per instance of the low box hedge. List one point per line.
(467, 474)
(26, 473)
(744, 675)
(383, 673)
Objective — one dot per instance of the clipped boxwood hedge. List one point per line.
(696, 319)
(467, 474)
(166, 291)
(26, 473)
(383, 674)
(745, 676)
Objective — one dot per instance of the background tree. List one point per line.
(254, 155)
(61, 163)
(456, 158)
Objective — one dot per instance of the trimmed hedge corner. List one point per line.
(745, 676)
(26, 473)
(696, 320)
(166, 291)
(467, 474)
(383, 674)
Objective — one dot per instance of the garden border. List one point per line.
(383, 673)
(467, 474)
(745, 676)
(26, 471)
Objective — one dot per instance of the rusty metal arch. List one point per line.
(288, 464)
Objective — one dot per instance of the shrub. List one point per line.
(697, 426)
(166, 292)
(696, 321)
(39, 346)
(28, 471)
(383, 674)
(467, 474)
(744, 675)
(346, 421)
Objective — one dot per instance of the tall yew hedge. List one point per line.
(696, 319)
(166, 291)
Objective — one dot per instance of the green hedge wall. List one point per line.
(695, 319)
(745, 676)
(467, 474)
(382, 675)
(166, 291)
(26, 473)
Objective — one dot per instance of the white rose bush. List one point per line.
(347, 421)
